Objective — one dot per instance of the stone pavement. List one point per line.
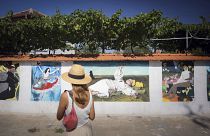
(16, 124)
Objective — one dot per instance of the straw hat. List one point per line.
(76, 75)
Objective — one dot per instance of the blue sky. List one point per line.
(108, 68)
(187, 11)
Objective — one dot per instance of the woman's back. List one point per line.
(83, 102)
(81, 110)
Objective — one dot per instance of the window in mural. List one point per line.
(9, 80)
(177, 81)
(46, 81)
(118, 81)
(208, 82)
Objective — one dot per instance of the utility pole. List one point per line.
(187, 41)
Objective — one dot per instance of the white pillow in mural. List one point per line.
(46, 81)
(177, 81)
(118, 80)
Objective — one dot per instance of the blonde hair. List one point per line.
(80, 91)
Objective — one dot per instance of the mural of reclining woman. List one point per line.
(104, 87)
(184, 81)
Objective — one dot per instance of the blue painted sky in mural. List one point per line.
(109, 67)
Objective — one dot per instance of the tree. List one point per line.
(92, 31)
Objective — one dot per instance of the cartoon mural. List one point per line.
(9, 80)
(177, 81)
(208, 83)
(118, 81)
(46, 81)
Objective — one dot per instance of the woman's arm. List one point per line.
(62, 106)
(40, 69)
(92, 112)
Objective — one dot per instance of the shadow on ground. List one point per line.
(200, 120)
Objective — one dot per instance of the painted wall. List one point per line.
(122, 103)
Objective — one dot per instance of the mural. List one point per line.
(208, 82)
(177, 81)
(118, 81)
(9, 80)
(46, 81)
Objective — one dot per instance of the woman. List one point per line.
(83, 101)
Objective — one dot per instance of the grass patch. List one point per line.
(33, 130)
(59, 130)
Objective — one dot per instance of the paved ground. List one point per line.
(12, 124)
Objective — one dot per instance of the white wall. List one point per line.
(155, 107)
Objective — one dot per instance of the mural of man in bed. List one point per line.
(118, 81)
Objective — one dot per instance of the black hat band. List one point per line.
(76, 76)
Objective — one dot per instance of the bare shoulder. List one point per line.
(64, 96)
(89, 92)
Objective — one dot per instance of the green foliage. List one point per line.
(93, 32)
(197, 51)
(137, 50)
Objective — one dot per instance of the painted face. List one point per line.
(185, 68)
(48, 70)
(129, 82)
(129, 91)
(12, 69)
